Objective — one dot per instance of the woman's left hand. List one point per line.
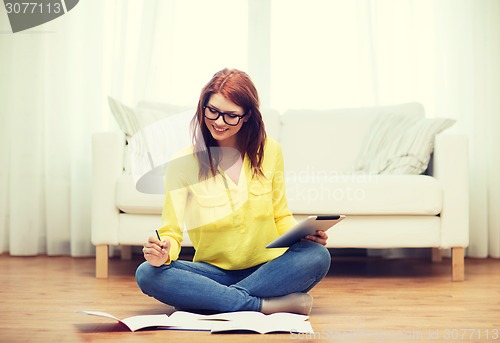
(320, 237)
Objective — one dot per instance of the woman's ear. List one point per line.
(245, 118)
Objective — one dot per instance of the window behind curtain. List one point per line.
(321, 53)
(332, 53)
(194, 39)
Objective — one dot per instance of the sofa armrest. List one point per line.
(107, 166)
(450, 167)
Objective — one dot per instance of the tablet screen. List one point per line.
(307, 227)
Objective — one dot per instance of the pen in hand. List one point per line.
(159, 238)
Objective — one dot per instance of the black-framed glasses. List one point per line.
(230, 119)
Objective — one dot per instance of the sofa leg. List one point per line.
(436, 255)
(457, 264)
(101, 261)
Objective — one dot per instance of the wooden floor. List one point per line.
(362, 299)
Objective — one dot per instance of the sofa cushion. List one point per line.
(330, 140)
(132, 120)
(400, 144)
(353, 194)
(133, 229)
(322, 194)
(272, 122)
(130, 200)
(385, 129)
(156, 143)
(153, 131)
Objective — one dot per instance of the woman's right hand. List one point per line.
(156, 251)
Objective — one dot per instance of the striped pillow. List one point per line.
(410, 149)
(385, 129)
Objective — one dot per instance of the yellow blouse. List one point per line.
(229, 224)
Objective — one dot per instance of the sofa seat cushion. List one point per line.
(352, 194)
(130, 200)
(133, 228)
(347, 194)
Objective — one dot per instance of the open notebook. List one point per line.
(244, 321)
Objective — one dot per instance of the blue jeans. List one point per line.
(202, 286)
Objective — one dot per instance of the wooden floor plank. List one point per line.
(362, 299)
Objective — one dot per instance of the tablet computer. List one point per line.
(307, 227)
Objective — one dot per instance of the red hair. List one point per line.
(236, 86)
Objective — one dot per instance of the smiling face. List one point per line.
(224, 134)
(229, 93)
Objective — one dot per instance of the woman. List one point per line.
(228, 191)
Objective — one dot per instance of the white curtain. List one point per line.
(468, 72)
(54, 84)
(442, 53)
(302, 54)
(52, 81)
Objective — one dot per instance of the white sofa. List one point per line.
(322, 150)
